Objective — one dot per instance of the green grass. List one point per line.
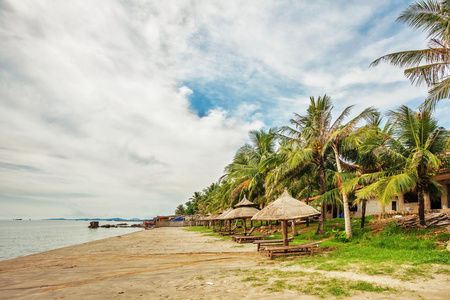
(369, 287)
(404, 254)
(310, 283)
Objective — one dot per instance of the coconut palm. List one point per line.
(180, 210)
(429, 65)
(366, 159)
(323, 138)
(247, 173)
(415, 149)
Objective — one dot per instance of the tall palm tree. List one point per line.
(431, 65)
(365, 158)
(416, 147)
(323, 137)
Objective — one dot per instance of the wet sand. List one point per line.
(163, 263)
(150, 264)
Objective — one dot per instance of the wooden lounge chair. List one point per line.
(227, 232)
(307, 248)
(265, 242)
(248, 238)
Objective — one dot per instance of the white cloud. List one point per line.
(90, 98)
(94, 109)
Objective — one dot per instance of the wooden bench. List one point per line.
(226, 232)
(263, 242)
(248, 238)
(292, 249)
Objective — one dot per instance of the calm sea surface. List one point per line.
(20, 238)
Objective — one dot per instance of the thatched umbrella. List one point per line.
(285, 208)
(222, 216)
(205, 220)
(212, 218)
(245, 203)
(244, 213)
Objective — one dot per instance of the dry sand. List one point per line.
(164, 263)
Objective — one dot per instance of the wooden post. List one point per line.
(244, 223)
(294, 231)
(285, 234)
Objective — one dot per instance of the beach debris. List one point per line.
(210, 283)
(434, 219)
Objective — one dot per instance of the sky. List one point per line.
(126, 108)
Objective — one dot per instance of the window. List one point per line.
(411, 197)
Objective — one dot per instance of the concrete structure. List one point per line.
(409, 203)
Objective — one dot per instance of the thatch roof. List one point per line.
(205, 218)
(285, 208)
(243, 212)
(244, 202)
(224, 213)
(212, 217)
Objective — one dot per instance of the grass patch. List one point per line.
(332, 266)
(310, 283)
(201, 229)
(251, 278)
(442, 271)
(393, 246)
(277, 286)
(379, 270)
(365, 286)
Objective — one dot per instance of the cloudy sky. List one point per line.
(126, 108)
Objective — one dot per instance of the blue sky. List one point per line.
(126, 108)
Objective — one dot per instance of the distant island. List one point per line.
(95, 219)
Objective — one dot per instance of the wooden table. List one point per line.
(248, 238)
(278, 241)
(226, 232)
(307, 248)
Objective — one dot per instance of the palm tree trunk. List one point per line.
(322, 205)
(348, 224)
(421, 207)
(307, 219)
(321, 219)
(363, 213)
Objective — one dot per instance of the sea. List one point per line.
(24, 237)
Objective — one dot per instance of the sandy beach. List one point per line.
(166, 263)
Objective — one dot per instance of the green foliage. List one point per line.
(443, 237)
(428, 65)
(180, 210)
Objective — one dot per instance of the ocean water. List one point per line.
(25, 237)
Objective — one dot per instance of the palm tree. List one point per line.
(180, 210)
(429, 65)
(365, 159)
(416, 147)
(192, 206)
(251, 164)
(323, 137)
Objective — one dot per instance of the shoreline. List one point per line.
(134, 264)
